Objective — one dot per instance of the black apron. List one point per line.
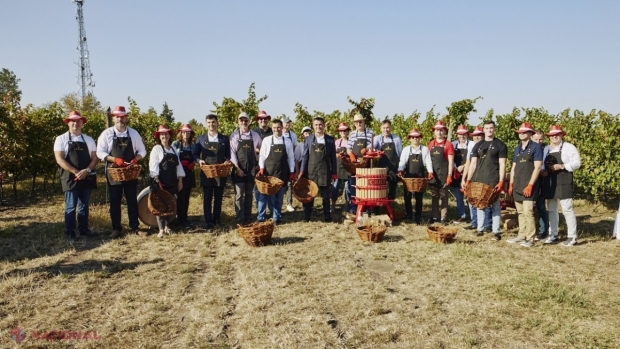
(415, 166)
(122, 147)
(77, 156)
(557, 184)
(460, 156)
(246, 158)
(340, 170)
(487, 171)
(276, 164)
(390, 158)
(189, 181)
(440, 165)
(212, 153)
(262, 133)
(523, 172)
(360, 143)
(168, 171)
(318, 165)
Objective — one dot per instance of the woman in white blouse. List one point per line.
(165, 168)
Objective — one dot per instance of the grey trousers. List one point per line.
(243, 200)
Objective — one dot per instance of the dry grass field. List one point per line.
(316, 286)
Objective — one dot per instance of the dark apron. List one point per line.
(318, 166)
(189, 181)
(122, 147)
(77, 156)
(487, 171)
(460, 156)
(440, 165)
(359, 145)
(168, 171)
(557, 184)
(262, 133)
(342, 173)
(276, 164)
(246, 157)
(212, 154)
(523, 172)
(390, 158)
(415, 166)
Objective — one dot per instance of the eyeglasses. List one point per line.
(244, 120)
(187, 132)
(415, 137)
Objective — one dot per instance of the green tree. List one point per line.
(364, 107)
(458, 114)
(228, 111)
(166, 114)
(9, 83)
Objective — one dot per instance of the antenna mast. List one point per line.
(84, 75)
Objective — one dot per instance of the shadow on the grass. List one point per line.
(287, 240)
(601, 229)
(85, 266)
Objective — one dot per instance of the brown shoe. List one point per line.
(140, 232)
(115, 234)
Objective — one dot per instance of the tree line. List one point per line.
(27, 133)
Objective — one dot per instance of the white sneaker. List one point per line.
(290, 208)
(515, 240)
(551, 240)
(161, 234)
(569, 242)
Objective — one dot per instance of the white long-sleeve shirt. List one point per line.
(570, 156)
(104, 143)
(421, 149)
(265, 148)
(157, 155)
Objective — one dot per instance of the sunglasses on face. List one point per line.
(415, 137)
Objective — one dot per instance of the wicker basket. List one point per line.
(257, 234)
(441, 235)
(415, 185)
(305, 190)
(351, 166)
(124, 174)
(481, 195)
(373, 233)
(216, 170)
(268, 185)
(161, 203)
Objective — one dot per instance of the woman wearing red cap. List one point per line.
(342, 183)
(166, 170)
(184, 145)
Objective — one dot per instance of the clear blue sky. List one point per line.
(406, 54)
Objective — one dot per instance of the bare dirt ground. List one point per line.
(316, 286)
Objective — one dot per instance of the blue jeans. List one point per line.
(337, 189)
(352, 208)
(274, 202)
(76, 200)
(496, 212)
(131, 196)
(474, 216)
(460, 204)
(543, 216)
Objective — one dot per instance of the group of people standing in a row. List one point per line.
(274, 150)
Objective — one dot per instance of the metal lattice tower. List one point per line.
(84, 76)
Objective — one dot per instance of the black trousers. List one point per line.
(131, 195)
(325, 194)
(212, 203)
(418, 204)
(183, 204)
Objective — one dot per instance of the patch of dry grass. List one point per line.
(317, 285)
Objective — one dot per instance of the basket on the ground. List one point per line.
(268, 185)
(161, 203)
(481, 195)
(351, 166)
(399, 214)
(257, 234)
(305, 190)
(374, 233)
(415, 185)
(124, 174)
(441, 235)
(216, 170)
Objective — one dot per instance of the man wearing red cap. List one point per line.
(488, 166)
(245, 161)
(184, 145)
(342, 183)
(276, 159)
(415, 162)
(442, 158)
(212, 148)
(526, 163)
(120, 145)
(462, 146)
(76, 154)
(263, 128)
(541, 203)
(561, 159)
(319, 165)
